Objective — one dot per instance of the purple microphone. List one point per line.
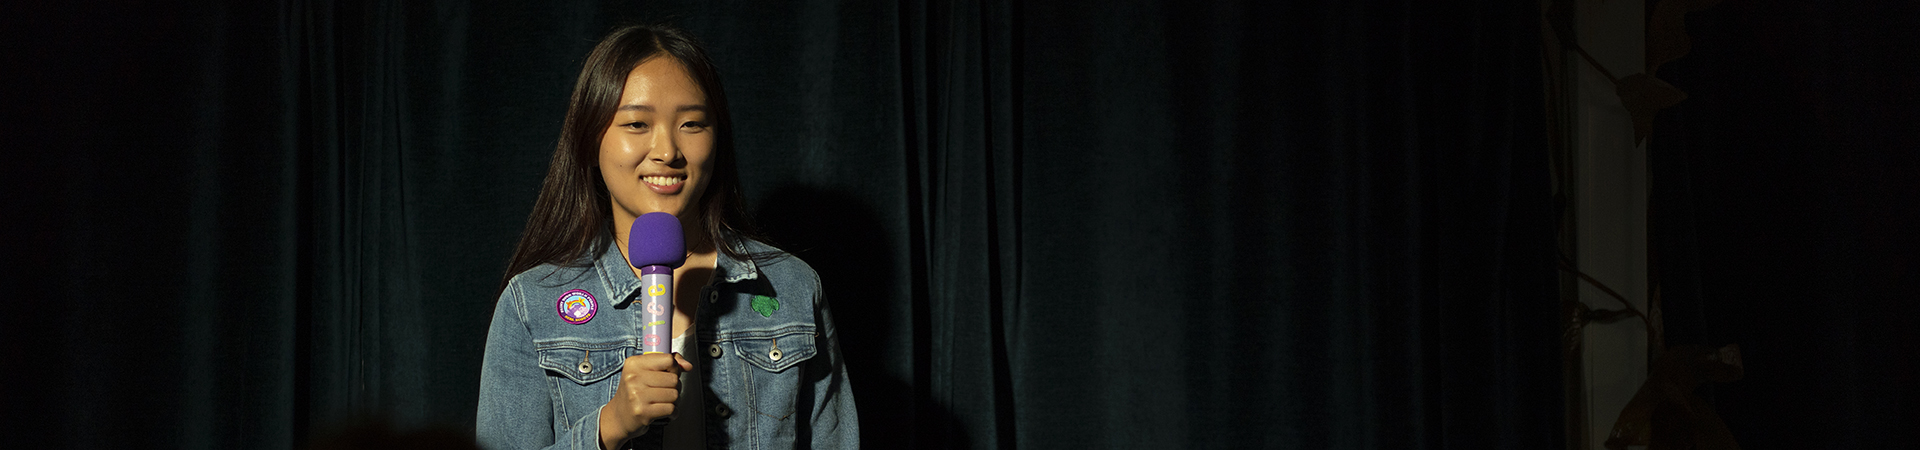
(656, 247)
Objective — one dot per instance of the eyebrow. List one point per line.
(649, 108)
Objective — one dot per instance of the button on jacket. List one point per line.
(766, 348)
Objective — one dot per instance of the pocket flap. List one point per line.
(777, 353)
(567, 362)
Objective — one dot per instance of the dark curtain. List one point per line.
(1041, 225)
(1785, 194)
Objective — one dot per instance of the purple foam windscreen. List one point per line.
(656, 247)
(655, 240)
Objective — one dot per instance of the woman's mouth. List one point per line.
(664, 184)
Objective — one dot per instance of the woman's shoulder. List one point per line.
(548, 276)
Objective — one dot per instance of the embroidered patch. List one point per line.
(765, 305)
(576, 306)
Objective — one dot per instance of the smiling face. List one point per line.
(657, 154)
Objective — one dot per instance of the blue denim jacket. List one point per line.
(770, 358)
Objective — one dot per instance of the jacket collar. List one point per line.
(729, 270)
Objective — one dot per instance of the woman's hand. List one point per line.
(649, 384)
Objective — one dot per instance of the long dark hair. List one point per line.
(572, 223)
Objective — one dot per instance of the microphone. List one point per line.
(656, 247)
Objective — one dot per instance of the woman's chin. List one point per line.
(676, 212)
(645, 210)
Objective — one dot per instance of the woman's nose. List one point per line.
(666, 149)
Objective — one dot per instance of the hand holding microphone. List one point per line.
(649, 382)
(649, 385)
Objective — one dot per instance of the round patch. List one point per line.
(576, 306)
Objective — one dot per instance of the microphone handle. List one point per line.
(656, 309)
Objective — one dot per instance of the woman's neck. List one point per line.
(697, 239)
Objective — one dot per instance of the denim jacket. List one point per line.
(766, 348)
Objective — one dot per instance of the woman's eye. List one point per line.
(636, 126)
(694, 127)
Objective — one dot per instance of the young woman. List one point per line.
(756, 360)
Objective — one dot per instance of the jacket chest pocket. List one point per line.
(582, 365)
(773, 371)
(776, 354)
(581, 379)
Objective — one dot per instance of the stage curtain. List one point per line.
(1040, 224)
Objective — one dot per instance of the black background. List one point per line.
(1786, 200)
(1041, 225)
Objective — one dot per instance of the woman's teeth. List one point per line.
(661, 181)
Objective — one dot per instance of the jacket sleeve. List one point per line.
(835, 423)
(516, 410)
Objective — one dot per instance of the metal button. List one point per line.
(713, 296)
(585, 365)
(722, 411)
(775, 354)
(713, 350)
